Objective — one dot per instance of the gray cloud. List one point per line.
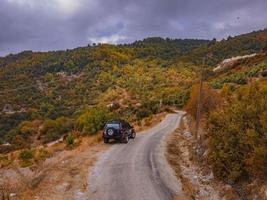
(60, 24)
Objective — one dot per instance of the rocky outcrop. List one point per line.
(230, 62)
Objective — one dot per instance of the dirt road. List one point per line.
(137, 170)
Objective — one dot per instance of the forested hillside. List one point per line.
(232, 46)
(234, 120)
(59, 90)
(46, 95)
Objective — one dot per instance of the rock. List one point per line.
(210, 177)
(228, 63)
(63, 187)
(187, 134)
(12, 194)
(8, 109)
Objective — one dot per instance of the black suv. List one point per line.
(119, 130)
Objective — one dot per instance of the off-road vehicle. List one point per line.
(119, 130)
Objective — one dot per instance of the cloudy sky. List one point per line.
(43, 25)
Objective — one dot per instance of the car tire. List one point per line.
(106, 140)
(110, 132)
(133, 135)
(126, 139)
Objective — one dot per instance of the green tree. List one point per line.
(93, 119)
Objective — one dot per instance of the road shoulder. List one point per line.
(197, 181)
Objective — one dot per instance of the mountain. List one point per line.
(39, 90)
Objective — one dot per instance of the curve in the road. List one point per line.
(138, 170)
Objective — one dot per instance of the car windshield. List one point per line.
(113, 125)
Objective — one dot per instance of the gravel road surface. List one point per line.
(137, 170)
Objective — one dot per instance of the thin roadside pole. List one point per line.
(200, 96)
(199, 99)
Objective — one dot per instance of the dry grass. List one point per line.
(67, 171)
(57, 171)
(5, 161)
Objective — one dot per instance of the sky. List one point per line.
(42, 25)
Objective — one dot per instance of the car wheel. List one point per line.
(133, 135)
(106, 140)
(126, 139)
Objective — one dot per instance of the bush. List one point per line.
(70, 140)
(216, 84)
(16, 140)
(92, 120)
(26, 155)
(43, 154)
(54, 129)
(146, 109)
(176, 98)
(238, 78)
(5, 161)
(210, 100)
(6, 149)
(26, 129)
(238, 141)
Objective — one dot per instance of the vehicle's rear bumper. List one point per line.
(116, 137)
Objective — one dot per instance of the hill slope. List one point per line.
(39, 91)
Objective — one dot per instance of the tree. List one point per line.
(238, 139)
(93, 119)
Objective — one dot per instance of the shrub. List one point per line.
(238, 78)
(92, 120)
(70, 140)
(26, 155)
(54, 129)
(26, 158)
(146, 109)
(6, 149)
(210, 100)
(176, 99)
(216, 84)
(238, 139)
(26, 128)
(43, 154)
(16, 140)
(255, 70)
(5, 161)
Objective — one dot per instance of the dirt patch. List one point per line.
(66, 174)
(62, 176)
